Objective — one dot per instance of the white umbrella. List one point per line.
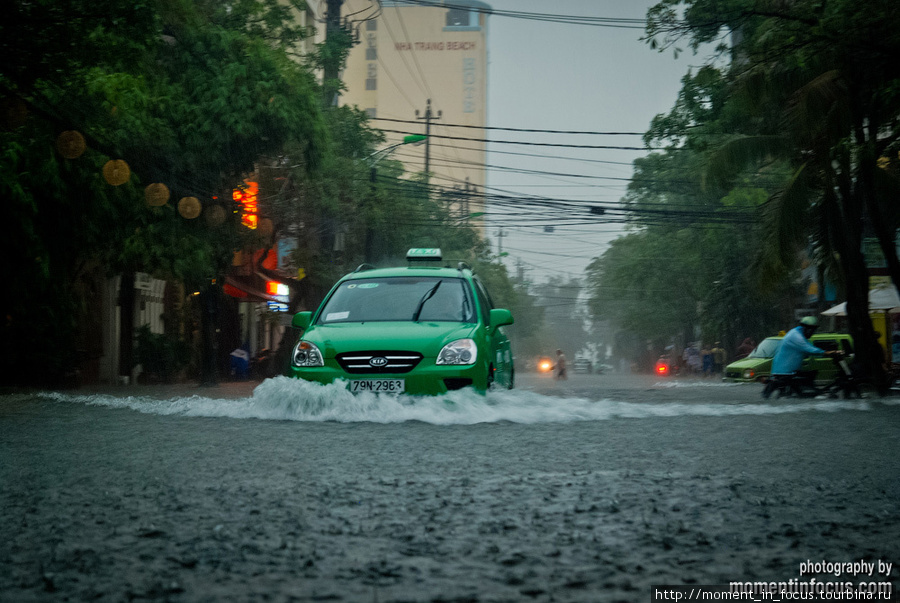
(838, 310)
(881, 299)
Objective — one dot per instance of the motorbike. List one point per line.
(802, 384)
(666, 367)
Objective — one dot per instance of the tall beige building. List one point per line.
(421, 67)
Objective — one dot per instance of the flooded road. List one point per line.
(592, 489)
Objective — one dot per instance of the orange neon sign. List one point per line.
(247, 196)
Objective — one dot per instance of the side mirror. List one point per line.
(500, 317)
(301, 320)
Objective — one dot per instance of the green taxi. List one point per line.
(758, 364)
(423, 329)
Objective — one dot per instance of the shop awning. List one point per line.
(881, 299)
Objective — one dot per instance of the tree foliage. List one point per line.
(189, 94)
(683, 272)
(196, 95)
(799, 102)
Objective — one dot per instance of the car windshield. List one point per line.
(766, 349)
(398, 298)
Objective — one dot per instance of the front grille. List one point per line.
(378, 362)
(733, 374)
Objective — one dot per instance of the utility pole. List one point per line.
(467, 195)
(427, 117)
(500, 235)
(332, 66)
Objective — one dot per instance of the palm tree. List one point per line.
(827, 139)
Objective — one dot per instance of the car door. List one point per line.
(498, 342)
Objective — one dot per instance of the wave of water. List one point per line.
(286, 399)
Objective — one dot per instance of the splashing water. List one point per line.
(286, 399)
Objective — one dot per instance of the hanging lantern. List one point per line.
(266, 227)
(189, 207)
(215, 215)
(70, 144)
(156, 194)
(116, 172)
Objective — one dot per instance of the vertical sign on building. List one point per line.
(469, 91)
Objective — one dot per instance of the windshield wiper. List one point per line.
(424, 299)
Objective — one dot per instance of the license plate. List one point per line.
(378, 386)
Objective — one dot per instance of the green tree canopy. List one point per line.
(188, 94)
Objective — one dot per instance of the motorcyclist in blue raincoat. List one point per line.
(793, 349)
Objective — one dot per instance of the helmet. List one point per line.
(809, 321)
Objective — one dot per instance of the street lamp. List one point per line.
(373, 161)
(377, 156)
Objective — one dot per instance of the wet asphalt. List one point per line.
(593, 489)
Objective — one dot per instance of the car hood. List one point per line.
(426, 338)
(748, 363)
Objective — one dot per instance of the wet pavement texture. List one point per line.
(592, 489)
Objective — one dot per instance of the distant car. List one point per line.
(582, 365)
(423, 329)
(757, 366)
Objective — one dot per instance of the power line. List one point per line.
(533, 144)
(503, 195)
(413, 52)
(407, 121)
(529, 211)
(615, 22)
(396, 85)
(539, 156)
(419, 83)
(568, 175)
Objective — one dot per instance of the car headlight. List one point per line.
(307, 354)
(749, 373)
(461, 351)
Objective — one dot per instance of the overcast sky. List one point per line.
(552, 76)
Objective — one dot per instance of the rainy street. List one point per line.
(418, 301)
(593, 489)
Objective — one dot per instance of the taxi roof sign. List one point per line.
(424, 254)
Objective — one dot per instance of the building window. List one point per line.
(371, 83)
(462, 19)
(371, 47)
(372, 112)
(458, 17)
(371, 25)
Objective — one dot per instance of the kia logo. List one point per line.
(378, 361)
